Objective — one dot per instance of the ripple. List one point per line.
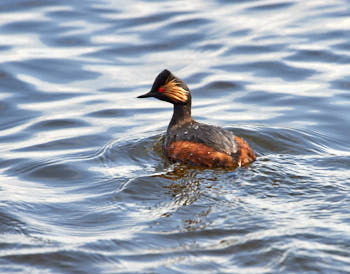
(193, 22)
(110, 113)
(68, 41)
(266, 7)
(54, 70)
(342, 46)
(254, 49)
(4, 48)
(341, 84)
(123, 157)
(176, 42)
(217, 88)
(145, 20)
(318, 56)
(58, 172)
(10, 83)
(58, 123)
(31, 26)
(60, 144)
(271, 69)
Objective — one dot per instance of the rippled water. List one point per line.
(83, 184)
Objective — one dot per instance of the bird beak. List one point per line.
(149, 94)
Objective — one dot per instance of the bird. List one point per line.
(193, 143)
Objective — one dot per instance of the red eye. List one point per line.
(161, 89)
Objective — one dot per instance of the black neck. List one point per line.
(181, 115)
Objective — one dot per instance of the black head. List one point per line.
(167, 87)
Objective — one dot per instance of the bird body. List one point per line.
(191, 142)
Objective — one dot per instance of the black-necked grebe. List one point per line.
(194, 143)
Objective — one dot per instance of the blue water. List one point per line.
(84, 187)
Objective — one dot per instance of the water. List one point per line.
(83, 184)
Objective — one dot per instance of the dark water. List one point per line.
(83, 185)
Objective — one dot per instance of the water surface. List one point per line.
(83, 184)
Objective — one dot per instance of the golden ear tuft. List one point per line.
(175, 92)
